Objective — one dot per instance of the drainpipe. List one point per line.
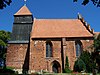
(63, 55)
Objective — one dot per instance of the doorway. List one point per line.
(56, 67)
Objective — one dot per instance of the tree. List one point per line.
(4, 37)
(79, 65)
(84, 62)
(4, 3)
(96, 53)
(88, 60)
(85, 2)
(67, 69)
(91, 60)
(97, 43)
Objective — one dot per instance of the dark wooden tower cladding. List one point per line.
(22, 25)
(19, 46)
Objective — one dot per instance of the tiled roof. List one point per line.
(96, 33)
(23, 11)
(57, 28)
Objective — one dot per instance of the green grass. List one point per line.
(52, 74)
(68, 74)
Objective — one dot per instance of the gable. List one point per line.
(23, 11)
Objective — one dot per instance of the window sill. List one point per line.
(48, 58)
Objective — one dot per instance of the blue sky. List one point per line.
(51, 9)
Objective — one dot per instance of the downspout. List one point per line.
(63, 55)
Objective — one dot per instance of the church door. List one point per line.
(56, 67)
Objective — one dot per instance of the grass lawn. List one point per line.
(69, 74)
(51, 74)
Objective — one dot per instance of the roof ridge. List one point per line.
(54, 19)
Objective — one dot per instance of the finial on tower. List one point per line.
(79, 16)
(25, 2)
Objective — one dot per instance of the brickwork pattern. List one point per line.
(38, 59)
(16, 55)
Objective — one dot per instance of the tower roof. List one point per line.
(23, 11)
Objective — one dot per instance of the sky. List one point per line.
(53, 9)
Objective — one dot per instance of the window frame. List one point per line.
(78, 48)
(49, 49)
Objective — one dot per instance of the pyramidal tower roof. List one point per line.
(23, 11)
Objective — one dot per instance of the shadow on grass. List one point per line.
(6, 71)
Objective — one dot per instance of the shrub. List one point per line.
(88, 60)
(79, 65)
(85, 61)
(7, 70)
(67, 69)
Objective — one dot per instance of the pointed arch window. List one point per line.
(79, 48)
(48, 49)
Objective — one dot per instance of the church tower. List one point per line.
(22, 25)
(19, 46)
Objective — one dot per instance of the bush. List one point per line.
(85, 62)
(67, 69)
(7, 70)
(88, 60)
(79, 66)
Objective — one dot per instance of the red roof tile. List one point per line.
(96, 33)
(53, 28)
(23, 11)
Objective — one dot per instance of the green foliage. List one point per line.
(7, 70)
(2, 43)
(86, 57)
(67, 63)
(11, 68)
(4, 37)
(96, 53)
(85, 2)
(86, 60)
(97, 43)
(67, 69)
(4, 3)
(79, 65)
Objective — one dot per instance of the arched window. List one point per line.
(48, 49)
(79, 48)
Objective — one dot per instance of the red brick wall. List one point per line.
(71, 50)
(16, 55)
(71, 53)
(38, 59)
(87, 45)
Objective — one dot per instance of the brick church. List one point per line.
(43, 44)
